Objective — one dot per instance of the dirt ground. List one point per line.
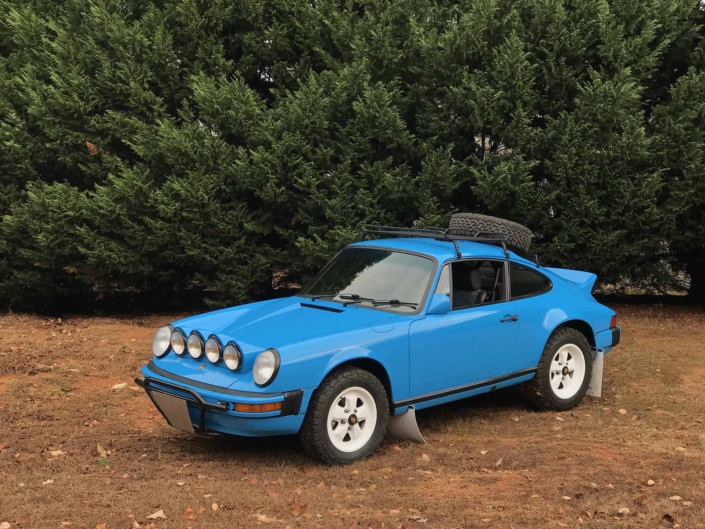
(633, 458)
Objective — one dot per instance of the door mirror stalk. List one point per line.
(440, 304)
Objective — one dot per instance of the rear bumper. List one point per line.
(213, 412)
(606, 340)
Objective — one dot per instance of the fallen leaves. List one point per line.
(102, 452)
(667, 520)
(120, 386)
(159, 515)
(623, 511)
(622, 411)
(650, 483)
(265, 519)
(57, 453)
(675, 498)
(5, 525)
(214, 506)
(48, 482)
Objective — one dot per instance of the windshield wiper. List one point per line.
(394, 302)
(321, 296)
(355, 298)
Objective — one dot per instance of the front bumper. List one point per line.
(210, 411)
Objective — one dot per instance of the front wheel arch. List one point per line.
(374, 367)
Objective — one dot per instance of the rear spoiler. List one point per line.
(584, 280)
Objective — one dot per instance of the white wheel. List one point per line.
(567, 371)
(352, 418)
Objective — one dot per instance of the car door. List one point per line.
(473, 341)
(531, 292)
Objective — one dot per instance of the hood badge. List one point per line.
(201, 366)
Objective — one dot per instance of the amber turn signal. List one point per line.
(258, 408)
(613, 321)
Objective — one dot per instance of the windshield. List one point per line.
(373, 277)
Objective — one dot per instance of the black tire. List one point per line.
(314, 432)
(539, 388)
(470, 224)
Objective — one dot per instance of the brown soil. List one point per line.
(490, 462)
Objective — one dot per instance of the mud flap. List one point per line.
(598, 364)
(404, 427)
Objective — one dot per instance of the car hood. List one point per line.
(279, 322)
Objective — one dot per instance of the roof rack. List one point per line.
(441, 234)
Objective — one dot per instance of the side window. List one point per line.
(525, 282)
(444, 282)
(476, 282)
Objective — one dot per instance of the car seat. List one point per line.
(467, 289)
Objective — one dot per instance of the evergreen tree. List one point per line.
(161, 152)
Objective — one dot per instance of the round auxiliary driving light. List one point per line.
(213, 348)
(232, 356)
(160, 342)
(195, 345)
(178, 342)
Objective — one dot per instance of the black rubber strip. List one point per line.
(320, 307)
(216, 389)
(616, 335)
(292, 402)
(462, 389)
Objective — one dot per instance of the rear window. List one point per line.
(526, 282)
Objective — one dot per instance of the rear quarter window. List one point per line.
(526, 282)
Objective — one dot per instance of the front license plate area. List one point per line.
(174, 409)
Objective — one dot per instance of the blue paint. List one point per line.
(423, 351)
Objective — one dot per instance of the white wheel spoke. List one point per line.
(358, 406)
(567, 371)
(355, 432)
(340, 431)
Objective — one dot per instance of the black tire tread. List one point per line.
(314, 428)
(538, 392)
(469, 224)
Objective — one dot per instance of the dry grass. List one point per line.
(491, 462)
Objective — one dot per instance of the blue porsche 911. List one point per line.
(407, 320)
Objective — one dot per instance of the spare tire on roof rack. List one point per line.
(476, 225)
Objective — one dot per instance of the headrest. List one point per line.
(475, 279)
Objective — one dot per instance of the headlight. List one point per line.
(195, 345)
(178, 342)
(213, 348)
(266, 367)
(160, 342)
(232, 356)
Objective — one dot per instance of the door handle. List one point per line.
(515, 317)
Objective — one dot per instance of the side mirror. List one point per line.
(440, 304)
